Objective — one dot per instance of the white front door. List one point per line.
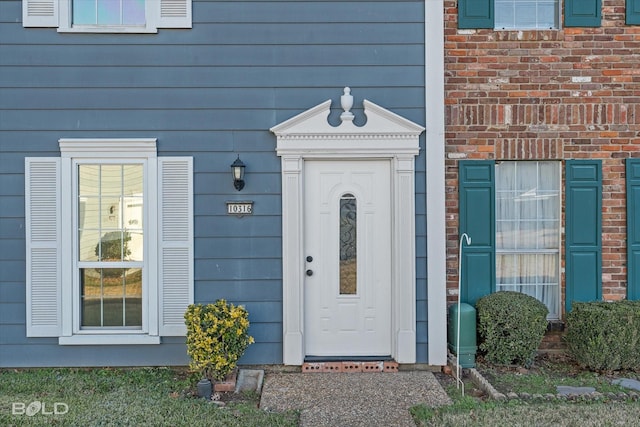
(347, 259)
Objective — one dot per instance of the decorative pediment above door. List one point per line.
(382, 128)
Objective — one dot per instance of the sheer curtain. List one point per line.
(528, 230)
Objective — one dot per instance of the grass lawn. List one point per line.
(122, 397)
(475, 409)
(468, 412)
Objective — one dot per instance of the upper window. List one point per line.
(526, 14)
(107, 16)
(108, 12)
(109, 243)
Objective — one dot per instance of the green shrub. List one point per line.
(605, 336)
(217, 336)
(511, 326)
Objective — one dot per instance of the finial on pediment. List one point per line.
(346, 101)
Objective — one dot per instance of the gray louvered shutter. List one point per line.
(39, 13)
(42, 217)
(175, 14)
(175, 240)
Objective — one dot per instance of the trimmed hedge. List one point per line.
(605, 336)
(511, 326)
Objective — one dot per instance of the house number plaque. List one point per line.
(240, 208)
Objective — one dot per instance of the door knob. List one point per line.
(309, 258)
(309, 272)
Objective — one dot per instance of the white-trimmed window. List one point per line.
(107, 16)
(528, 230)
(109, 242)
(526, 14)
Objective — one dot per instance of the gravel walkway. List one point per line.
(352, 399)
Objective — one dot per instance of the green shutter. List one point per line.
(633, 229)
(633, 12)
(583, 226)
(477, 219)
(582, 13)
(475, 13)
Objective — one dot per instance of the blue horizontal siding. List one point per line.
(251, 33)
(210, 92)
(238, 269)
(10, 228)
(177, 75)
(11, 270)
(236, 290)
(12, 292)
(29, 355)
(210, 98)
(212, 56)
(247, 226)
(11, 185)
(232, 247)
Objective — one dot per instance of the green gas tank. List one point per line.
(468, 348)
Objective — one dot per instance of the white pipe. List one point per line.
(466, 239)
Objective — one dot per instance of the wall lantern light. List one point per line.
(237, 170)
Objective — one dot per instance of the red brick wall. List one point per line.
(555, 94)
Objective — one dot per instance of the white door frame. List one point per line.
(384, 136)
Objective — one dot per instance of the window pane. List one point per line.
(134, 246)
(525, 15)
(505, 179)
(549, 176)
(527, 235)
(504, 16)
(109, 12)
(549, 235)
(348, 245)
(133, 12)
(113, 247)
(132, 177)
(84, 12)
(110, 212)
(505, 235)
(111, 179)
(91, 294)
(89, 179)
(547, 15)
(89, 245)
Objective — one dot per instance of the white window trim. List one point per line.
(74, 151)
